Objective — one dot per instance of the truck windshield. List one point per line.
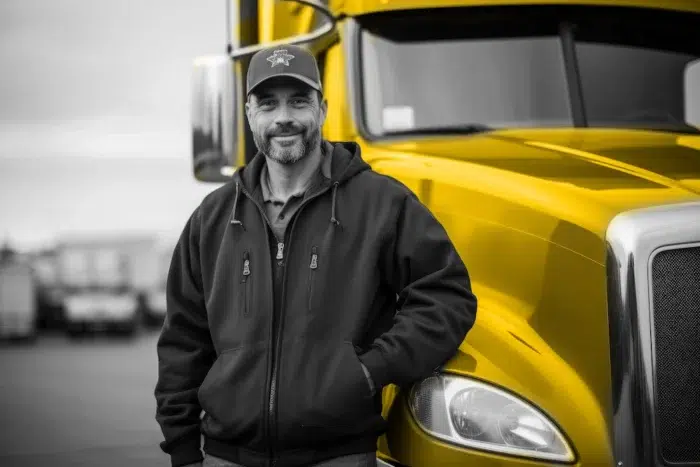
(429, 71)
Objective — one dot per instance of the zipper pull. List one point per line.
(314, 259)
(280, 250)
(246, 266)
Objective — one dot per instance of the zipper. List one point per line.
(312, 269)
(273, 378)
(244, 281)
(280, 322)
(266, 422)
(280, 250)
(272, 392)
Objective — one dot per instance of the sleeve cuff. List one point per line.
(187, 451)
(372, 386)
(377, 367)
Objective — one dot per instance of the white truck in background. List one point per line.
(112, 283)
(18, 308)
(95, 275)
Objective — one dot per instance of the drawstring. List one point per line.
(233, 212)
(333, 218)
(235, 221)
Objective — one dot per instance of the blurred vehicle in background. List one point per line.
(97, 296)
(18, 309)
(557, 142)
(90, 283)
(110, 284)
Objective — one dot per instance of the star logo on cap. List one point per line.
(280, 57)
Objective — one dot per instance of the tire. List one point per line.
(126, 330)
(76, 330)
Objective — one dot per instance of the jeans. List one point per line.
(367, 459)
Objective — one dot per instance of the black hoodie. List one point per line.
(281, 380)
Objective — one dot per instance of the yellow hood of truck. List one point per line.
(637, 158)
(528, 211)
(581, 176)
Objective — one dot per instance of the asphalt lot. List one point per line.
(80, 403)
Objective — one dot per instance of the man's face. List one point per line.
(286, 117)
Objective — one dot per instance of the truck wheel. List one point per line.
(75, 331)
(30, 339)
(127, 330)
(21, 339)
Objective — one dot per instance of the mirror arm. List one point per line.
(300, 39)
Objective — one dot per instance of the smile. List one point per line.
(286, 137)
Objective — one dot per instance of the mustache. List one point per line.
(286, 130)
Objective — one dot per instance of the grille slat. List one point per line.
(676, 313)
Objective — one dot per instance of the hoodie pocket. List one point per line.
(232, 393)
(313, 266)
(245, 284)
(324, 394)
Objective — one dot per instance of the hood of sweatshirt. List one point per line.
(346, 163)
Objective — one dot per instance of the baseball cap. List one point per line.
(284, 60)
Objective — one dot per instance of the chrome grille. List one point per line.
(653, 266)
(675, 275)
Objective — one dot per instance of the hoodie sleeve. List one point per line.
(185, 351)
(436, 307)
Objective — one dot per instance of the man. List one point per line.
(283, 323)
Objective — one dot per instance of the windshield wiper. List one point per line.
(463, 129)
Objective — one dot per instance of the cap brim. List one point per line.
(296, 76)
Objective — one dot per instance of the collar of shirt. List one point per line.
(321, 175)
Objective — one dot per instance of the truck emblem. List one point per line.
(280, 56)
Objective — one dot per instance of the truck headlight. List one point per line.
(480, 416)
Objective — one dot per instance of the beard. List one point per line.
(310, 140)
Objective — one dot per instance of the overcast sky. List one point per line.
(94, 114)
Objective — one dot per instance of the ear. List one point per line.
(323, 108)
(248, 110)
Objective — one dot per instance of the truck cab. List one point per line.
(558, 142)
(96, 288)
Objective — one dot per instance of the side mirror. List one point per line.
(218, 119)
(216, 91)
(692, 93)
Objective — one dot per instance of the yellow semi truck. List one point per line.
(558, 143)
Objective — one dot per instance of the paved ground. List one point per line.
(86, 403)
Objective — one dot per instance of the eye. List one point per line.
(299, 101)
(266, 103)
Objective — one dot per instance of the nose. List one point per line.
(282, 116)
